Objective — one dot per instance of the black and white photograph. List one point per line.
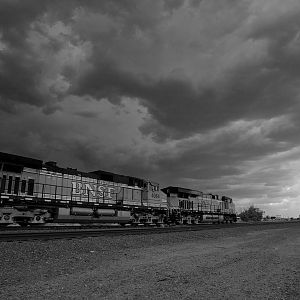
(150, 149)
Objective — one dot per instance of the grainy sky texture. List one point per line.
(199, 94)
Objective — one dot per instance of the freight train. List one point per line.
(34, 193)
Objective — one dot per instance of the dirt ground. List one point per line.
(255, 262)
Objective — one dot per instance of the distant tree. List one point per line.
(251, 214)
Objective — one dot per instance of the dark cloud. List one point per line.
(163, 98)
(252, 89)
(15, 18)
(21, 69)
(19, 76)
(173, 4)
(7, 106)
(87, 114)
(183, 109)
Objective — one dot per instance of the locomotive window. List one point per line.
(10, 179)
(23, 186)
(17, 183)
(3, 182)
(30, 186)
(181, 195)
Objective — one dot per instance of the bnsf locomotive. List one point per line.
(33, 192)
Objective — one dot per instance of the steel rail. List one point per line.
(71, 233)
(59, 234)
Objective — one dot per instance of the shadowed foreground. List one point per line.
(255, 262)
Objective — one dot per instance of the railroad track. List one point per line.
(79, 233)
(63, 233)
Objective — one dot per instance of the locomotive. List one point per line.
(34, 193)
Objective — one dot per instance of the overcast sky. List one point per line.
(198, 94)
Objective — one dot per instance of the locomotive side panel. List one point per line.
(152, 196)
(50, 193)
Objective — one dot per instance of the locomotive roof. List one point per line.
(99, 174)
(21, 161)
(109, 176)
(177, 189)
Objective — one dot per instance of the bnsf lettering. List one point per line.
(92, 190)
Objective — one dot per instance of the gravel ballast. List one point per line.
(255, 262)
